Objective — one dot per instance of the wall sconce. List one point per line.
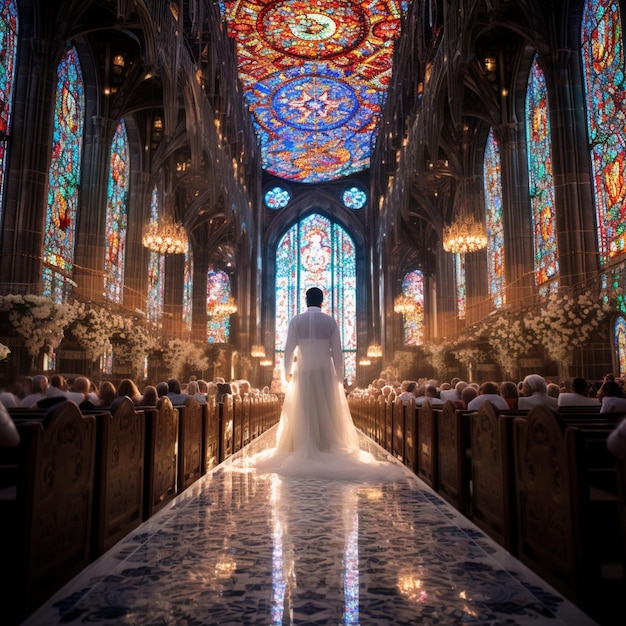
(490, 65)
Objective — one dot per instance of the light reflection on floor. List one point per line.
(237, 548)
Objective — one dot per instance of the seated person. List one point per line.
(578, 395)
(612, 398)
(508, 390)
(535, 392)
(488, 392)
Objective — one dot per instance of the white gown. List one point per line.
(316, 435)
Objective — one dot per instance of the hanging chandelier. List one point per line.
(265, 362)
(374, 351)
(166, 236)
(222, 309)
(465, 234)
(365, 362)
(404, 304)
(257, 351)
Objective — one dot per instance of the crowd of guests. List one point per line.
(608, 395)
(42, 392)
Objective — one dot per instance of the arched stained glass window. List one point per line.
(218, 290)
(619, 334)
(492, 176)
(461, 285)
(156, 269)
(64, 177)
(413, 288)
(188, 289)
(8, 50)
(602, 53)
(315, 252)
(541, 182)
(116, 215)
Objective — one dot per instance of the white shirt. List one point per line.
(613, 404)
(576, 399)
(315, 335)
(498, 402)
(538, 398)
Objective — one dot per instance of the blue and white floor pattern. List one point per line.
(240, 548)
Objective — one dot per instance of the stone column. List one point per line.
(28, 159)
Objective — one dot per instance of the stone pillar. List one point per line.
(29, 157)
(576, 231)
(91, 227)
(518, 236)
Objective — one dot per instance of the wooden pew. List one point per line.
(226, 418)
(191, 431)
(119, 484)
(161, 457)
(211, 435)
(398, 429)
(492, 505)
(453, 449)
(47, 515)
(568, 508)
(427, 456)
(410, 436)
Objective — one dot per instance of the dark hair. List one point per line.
(314, 297)
(579, 385)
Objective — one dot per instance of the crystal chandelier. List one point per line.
(222, 309)
(404, 304)
(465, 234)
(166, 236)
(257, 351)
(374, 351)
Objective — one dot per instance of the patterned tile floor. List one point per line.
(237, 548)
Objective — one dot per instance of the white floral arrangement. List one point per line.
(137, 341)
(94, 328)
(40, 320)
(508, 338)
(469, 356)
(566, 322)
(437, 351)
(179, 354)
(4, 352)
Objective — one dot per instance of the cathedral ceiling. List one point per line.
(314, 77)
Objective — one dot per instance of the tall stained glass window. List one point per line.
(317, 253)
(413, 287)
(619, 334)
(188, 289)
(602, 51)
(156, 269)
(8, 60)
(492, 176)
(218, 290)
(116, 215)
(64, 177)
(540, 176)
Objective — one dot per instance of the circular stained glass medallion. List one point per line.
(354, 198)
(315, 103)
(277, 198)
(312, 31)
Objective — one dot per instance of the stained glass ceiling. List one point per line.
(315, 74)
